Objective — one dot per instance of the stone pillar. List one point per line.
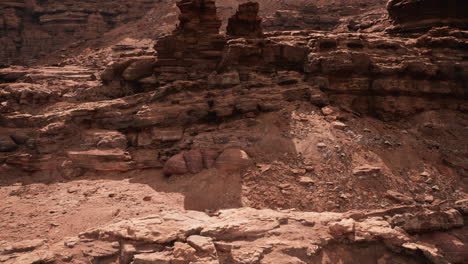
(246, 22)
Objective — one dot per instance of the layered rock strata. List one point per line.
(261, 236)
(30, 30)
(416, 15)
(246, 22)
(195, 47)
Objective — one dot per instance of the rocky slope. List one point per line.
(368, 128)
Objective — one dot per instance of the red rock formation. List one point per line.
(31, 29)
(246, 22)
(195, 47)
(411, 15)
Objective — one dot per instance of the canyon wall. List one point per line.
(30, 29)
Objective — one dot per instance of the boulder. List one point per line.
(184, 251)
(114, 70)
(139, 69)
(232, 160)
(202, 244)
(7, 144)
(209, 158)
(175, 165)
(194, 161)
(462, 206)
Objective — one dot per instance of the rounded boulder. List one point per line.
(233, 160)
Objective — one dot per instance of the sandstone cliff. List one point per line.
(349, 141)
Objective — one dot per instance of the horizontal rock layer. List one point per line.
(260, 236)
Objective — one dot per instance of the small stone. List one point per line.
(321, 145)
(366, 170)
(147, 198)
(127, 252)
(428, 198)
(339, 125)
(398, 197)
(7, 144)
(344, 227)
(462, 206)
(115, 244)
(306, 181)
(298, 171)
(425, 174)
(184, 251)
(147, 258)
(202, 244)
(436, 188)
(71, 242)
(327, 111)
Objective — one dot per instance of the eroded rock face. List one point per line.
(7, 144)
(416, 15)
(195, 47)
(30, 29)
(246, 22)
(247, 236)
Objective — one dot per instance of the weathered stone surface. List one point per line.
(428, 221)
(139, 69)
(246, 22)
(202, 244)
(462, 206)
(227, 79)
(96, 159)
(250, 236)
(184, 251)
(411, 15)
(366, 170)
(152, 258)
(7, 144)
(195, 47)
(194, 161)
(23, 246)
(209, 158)
(29, 31)
(398, 197)
(233, 160)
(176, 165)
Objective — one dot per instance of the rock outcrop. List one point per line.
(30, 30)
(421, 15)
(249, 236)
(291, 120)
(246, 22)
(195, 47)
